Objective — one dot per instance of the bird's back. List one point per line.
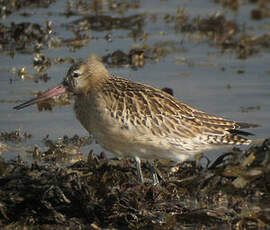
(128, 117)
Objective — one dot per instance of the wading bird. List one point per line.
(137, 120)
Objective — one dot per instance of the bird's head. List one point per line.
(84, 76)
(81, 78)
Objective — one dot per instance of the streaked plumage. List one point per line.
(137, 120)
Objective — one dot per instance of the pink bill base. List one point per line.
(58, 90)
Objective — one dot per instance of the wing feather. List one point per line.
(164, 114)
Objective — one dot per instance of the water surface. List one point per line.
(199, 73)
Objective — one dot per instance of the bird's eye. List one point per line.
(75, 75)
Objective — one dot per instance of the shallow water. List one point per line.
(198, 72)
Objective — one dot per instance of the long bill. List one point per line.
(58, 90)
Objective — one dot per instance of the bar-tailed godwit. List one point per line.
(137, 120)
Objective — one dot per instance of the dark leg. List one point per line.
(154, 173)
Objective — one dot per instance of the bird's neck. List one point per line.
(95, 85)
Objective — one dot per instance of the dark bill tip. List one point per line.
(58, 90)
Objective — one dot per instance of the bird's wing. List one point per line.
(149, 107)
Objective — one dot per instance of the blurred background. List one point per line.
(213, 54)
